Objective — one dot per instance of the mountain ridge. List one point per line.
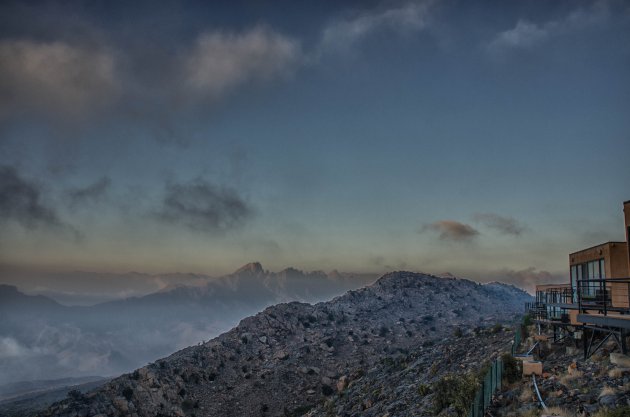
(115, 336)
(293, 356)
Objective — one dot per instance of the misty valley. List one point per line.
(41, 339)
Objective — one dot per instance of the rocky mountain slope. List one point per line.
(292, 359)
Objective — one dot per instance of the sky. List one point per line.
(487, 139)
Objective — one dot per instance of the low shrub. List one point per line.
(457, 391)
(189, 404)
(327, 390)
(615, 412)
(75, 394)
(424, 389)
(127, 393)
(511, 371)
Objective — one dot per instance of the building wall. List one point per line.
(618, 260)
(626, 216)
(615, 255)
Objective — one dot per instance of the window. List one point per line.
(592, 270)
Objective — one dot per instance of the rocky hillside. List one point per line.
(570, 385)
(291, 358)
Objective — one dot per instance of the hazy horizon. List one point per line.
(88, 288)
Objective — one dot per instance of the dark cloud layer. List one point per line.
(20, 201)
(89, 193)
(505, 225)
(452, 230)
(205, 207)
(54, 78)
(68, 82)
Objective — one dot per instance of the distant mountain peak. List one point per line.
(252, 268)
(11, 295)
(5, 288)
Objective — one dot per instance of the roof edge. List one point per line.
(601, 244)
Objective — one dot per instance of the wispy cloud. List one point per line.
(205, 207)
(452, 230)
(220, 61)
(526, 278)
(505, 225)
(89, 193)
(344, 32)
(21, 201)
(54, 77)
(526, 34)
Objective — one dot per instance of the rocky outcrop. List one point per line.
(404, 384)
(569, 384)
(405, 330)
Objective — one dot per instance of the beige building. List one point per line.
(597, 298)
(606, 260)
(599, 275)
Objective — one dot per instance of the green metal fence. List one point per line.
(491, 382)
(517, 340)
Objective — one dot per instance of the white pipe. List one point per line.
(533, 347)
(542, 403)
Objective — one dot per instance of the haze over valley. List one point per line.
(42, 339)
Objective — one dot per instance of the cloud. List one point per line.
(526, 278)
(54, 77)
(220, 61)
(527, 34)
(505, 225)
(452, 230)
(89, 193)
(10, 348)
(62, 82)
(20, 201)
(205, 207)
(523, 35)
(343, 33)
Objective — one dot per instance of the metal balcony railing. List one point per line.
(596, 295)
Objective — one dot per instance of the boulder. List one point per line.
(342, 383)
(281, 355)
(620, 359)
